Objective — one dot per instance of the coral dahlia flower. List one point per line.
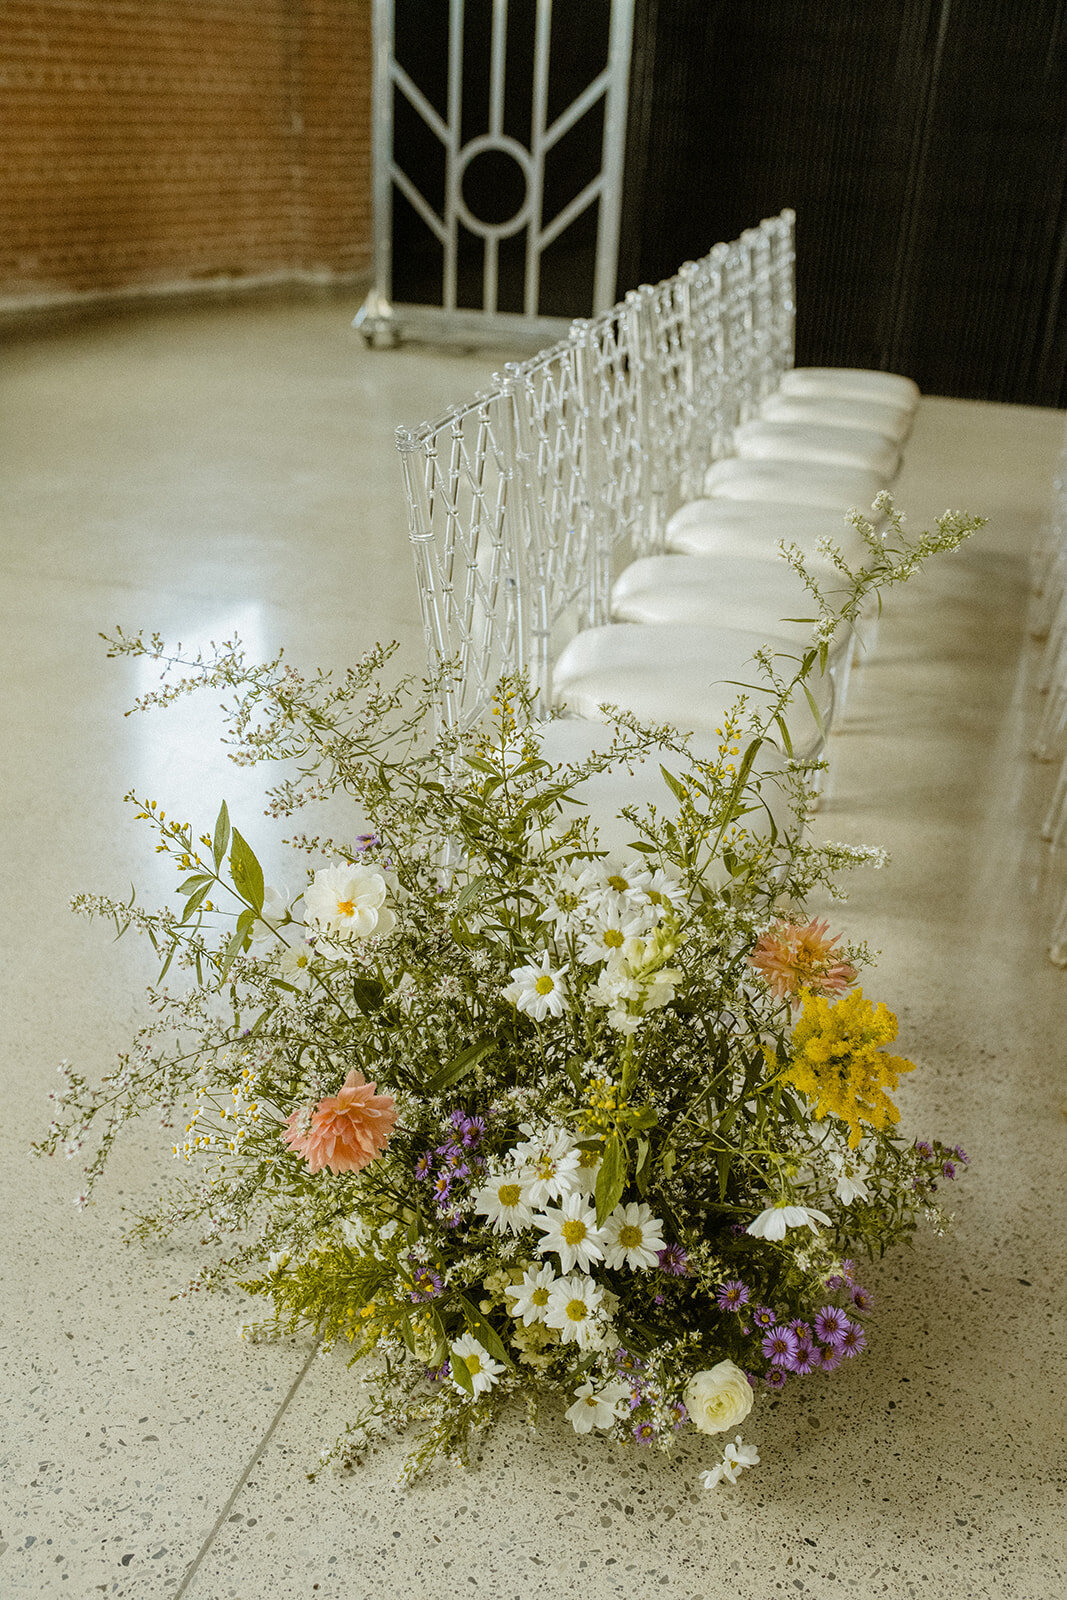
(791, 957)
(346, 1130)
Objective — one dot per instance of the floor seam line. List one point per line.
(245, 1475)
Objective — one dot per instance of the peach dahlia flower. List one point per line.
(791, 957)
(346, 1130)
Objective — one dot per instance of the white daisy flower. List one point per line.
(530, 1297)
(294, 964)
(573, 1307)
(632, 1236)
(735, 1459)
(568, 903)
(538, 991)
(483, 1370)
(773, 1223)
(624, 879)
(850, 1174)
(571, 1230)
(549, 1166)
(613, 924)
(583, 1179)
(665, 889)
(504, 1201)
(596, 1408)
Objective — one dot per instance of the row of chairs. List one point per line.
(607, 516)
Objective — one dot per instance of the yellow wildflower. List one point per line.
(839, 1063)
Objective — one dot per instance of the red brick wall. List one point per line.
(148, 142)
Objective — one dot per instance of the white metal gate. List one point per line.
(379, 318)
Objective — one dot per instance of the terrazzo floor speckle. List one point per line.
(231, 469)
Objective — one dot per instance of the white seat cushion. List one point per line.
(796, 482)
(753, 529)
(752, 595)
(892, 421)
(682, 674)
(809, 441)
(859, 381)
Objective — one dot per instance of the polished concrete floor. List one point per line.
(223, 470)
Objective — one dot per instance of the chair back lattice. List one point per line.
(459, 478)
(780, 232)
(763, 353)
(667, 357)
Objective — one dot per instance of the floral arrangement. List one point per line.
(504, 1115)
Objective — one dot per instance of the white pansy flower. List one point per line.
(735, 1459)
(573, 1310)
(344, 903)
(718, 1398)
(539, 991)
(571, 1230)
(504, 1201)
(275, 910)
(774, 1222)
(596, 1408)
(481, 1367)
(632, 1236)
(530, 1297)
(550, 1165)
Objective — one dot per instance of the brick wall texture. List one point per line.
(148, 142)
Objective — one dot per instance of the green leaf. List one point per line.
(574, 1066)
(677, 789)
(472, 891)
(641, 1173)
(723, 1162)
(461, 1373)
(195, 882)
(246, 872)
(461, 1065)
(222, 835)
(816, 713)
(646, 1117)
(368, 994)
(485, 1332)
(611, 1179)
(196, 900)
(231, 952)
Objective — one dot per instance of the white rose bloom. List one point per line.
(344, 903)
(719, 1398)
(773, 1223)
(596, 1408)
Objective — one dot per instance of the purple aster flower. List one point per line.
(775, 1379)
(780, 1346)
(674, 1260)
(659, 1299)
(828, 1358)
(451, 1154)
(366, 841)
(732, 1295)
(948, 1168)
(764, 1317)
(853, 1340)
(442, 1186)
(848, 1271)
(679, 1413)
(861, 1298)
(426, 1284)
(626, 1361)
(424, 1166)
(961, 1155)
(830, 1324)
(738, 1228)
(801, 1329)
(804, 1361)
(643, 1432)
(836, 1281)
(923, 1149)
(439, 1374)
(472, 1131)
(451, 1219)
(457, 1118)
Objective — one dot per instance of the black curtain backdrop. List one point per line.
(923, 146)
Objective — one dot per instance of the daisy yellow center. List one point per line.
(546, 1167)
(629, 1237)
(540, 1297)
(574, 1230)
(509, 1194)
(474, 1365)
(347, 908)
(577, 1310)
(618, 883)
(655, 897)
(614, 938)
(545, 983)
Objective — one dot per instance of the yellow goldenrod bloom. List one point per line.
(839, 1063)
